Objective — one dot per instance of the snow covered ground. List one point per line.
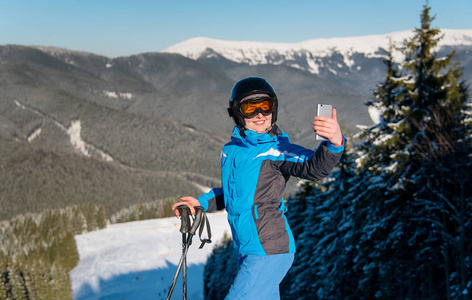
(138, 260)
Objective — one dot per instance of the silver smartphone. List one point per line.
(323, 110)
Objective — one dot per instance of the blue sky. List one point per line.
(119, 28)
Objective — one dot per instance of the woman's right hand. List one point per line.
(191, 202)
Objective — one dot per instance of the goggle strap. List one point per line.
(231, 111)
(255, 97)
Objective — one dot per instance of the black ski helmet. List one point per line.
(250, 86)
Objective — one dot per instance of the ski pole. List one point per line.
(184, 229)
(188, 241)
(184, 267)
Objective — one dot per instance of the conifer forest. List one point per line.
(394, 220)
(37, 251)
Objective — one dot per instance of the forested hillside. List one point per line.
(59, 148)
(79, 128)
(37, 251)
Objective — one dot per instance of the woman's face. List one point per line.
(259, 123)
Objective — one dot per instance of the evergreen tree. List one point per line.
(90, 216)
(399, 226)
(5, 282)
(220, 270)
(61, 288)
(411, 203)
(376, 209)
(77, 221)
(68, 254)
(17, 282)
(30, 287)
(101, 217)
(321, 242)
(41, 279)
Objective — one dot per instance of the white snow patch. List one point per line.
(138, 260)
(348, 61)
(110, 94)
(115, 95)
(333, 71)
(82, 147)
(74, 133)
(34, 135)
(383, 139)
(19, 104)
(313, 66)
(70, 61)
(126, 95)
(375, 114)
(392, 168)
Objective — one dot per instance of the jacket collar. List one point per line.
(253, 138)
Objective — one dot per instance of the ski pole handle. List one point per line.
(184, 217)
(197, 221)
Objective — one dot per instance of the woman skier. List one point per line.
(255, 166)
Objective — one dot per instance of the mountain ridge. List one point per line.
(263, 52)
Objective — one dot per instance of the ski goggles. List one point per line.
(251, 108)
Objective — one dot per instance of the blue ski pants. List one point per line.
(259, 276)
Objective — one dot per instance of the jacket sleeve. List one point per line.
(213, 200)
(309, 164)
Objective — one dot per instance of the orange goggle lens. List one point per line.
(250, 109)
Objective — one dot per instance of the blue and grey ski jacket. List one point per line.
(254, 171)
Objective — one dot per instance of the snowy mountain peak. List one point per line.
(255, 53)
